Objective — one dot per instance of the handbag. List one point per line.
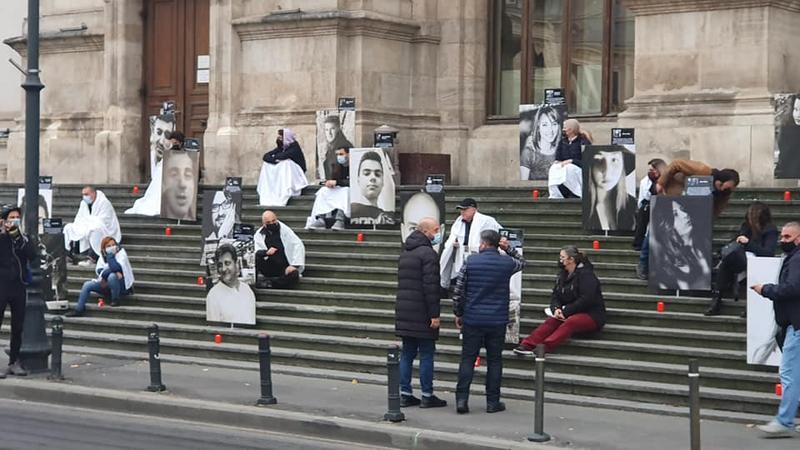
(734, 256)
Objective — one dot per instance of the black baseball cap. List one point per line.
(6, 210)
(467, 203)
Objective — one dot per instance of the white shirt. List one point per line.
(225, 304)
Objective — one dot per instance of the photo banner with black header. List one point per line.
(54, 264)
(434, 183)
(680, 243)
(516, 240)
(179, 185)
(45, 203)
(787, 136)
(699, 186)
(623, 136)
(221, 210)
(233, 184)
(335, 129)
(419, 205)
(555, 96)
(230, 298)
(539, 137)
(609, 188)
(372, 188)
(347, 104)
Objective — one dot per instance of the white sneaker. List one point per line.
(338, 225)
(775, 430)
(87, 263)
(312, 224)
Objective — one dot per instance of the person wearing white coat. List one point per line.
(95, 220)
(114, 276)
(280, 254)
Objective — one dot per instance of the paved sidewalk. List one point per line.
(571, 426)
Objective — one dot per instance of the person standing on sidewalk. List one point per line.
(785, 298)
(417, 312)
(15, 252)
(480, 304)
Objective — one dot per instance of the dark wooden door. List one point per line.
(176, 34)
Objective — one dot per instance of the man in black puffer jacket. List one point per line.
(417, 312)
(15, 252)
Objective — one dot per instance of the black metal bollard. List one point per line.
(694, 404)
(153, 347)
(265, 364)
(56, 342)
(538, 434)
(393, 368)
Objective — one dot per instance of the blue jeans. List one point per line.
(790, 378)
(425, 348)
(492, 338)
(644, 253)
(116, 286)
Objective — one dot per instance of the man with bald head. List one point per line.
(280, 254)
(785, 296)
(417, 311)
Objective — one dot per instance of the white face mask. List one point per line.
(111, 250)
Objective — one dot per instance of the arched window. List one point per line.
(583, 46)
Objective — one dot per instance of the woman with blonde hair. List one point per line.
(565, 177)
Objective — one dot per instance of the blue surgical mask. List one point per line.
(341, 159)
(437, 239)
(111, 250)
(15, 222)
(87, 199)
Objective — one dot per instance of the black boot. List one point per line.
(715, 305)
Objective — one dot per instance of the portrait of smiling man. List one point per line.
(230, 300)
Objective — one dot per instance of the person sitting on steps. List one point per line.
(576, 304)
(114, 276)
(332, 202)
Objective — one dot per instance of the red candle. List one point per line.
(535, 194)
(596, 245)
(787, 196)
(168, 231)
(218, 339)
(660, 307)
(135, 188)
(360, 237)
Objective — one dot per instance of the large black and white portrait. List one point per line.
(230, 300)
(371, 187)
(539, 137)
(221, 210)
(54, 263)
(161, 126)
(680, 243)
(179, 185)
(419, 205)
(762, 347)
(787, 136)
(335, 129)
(609, 188)
(45, 206)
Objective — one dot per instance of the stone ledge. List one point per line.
(652, 7)
(60, 42)
(347, 23)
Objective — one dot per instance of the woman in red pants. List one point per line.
(577, 304)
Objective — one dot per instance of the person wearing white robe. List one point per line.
(280, 254)
(161, 128)
(332, 202)
(455, 253)
(95, 220)
(282, 172)
(114, 277)
(230, 300)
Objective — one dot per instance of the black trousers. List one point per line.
(729, 268)
(473, 338)
(642, 220)
(281, 282)
(13, 295)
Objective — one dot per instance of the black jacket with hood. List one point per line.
(417, 289)
(579, 292)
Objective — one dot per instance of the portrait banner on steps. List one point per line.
(419, 205)
(516, 240)
(787, 136)
(221, 210)
(335, 129)
(230, 299)
(539, 137)
(762, 331)
(372, 188)
(181, 172)
(680, 243)
(45, 206)
(54, 264)
(609, 188)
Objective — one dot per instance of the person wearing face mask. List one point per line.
(785, 297)
(417, 311)
(464, 239)
(480, 304)
(576, 304)
(16, 251)
(647, 188)
(332, 202)
(280, 254)
(114, 277)
(95, 219)
(568, 160)
(283, 171)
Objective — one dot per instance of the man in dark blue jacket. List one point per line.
(16, 250)
(785, 298)
(480, 304)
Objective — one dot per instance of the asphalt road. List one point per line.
(27, 426)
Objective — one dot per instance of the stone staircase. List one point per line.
(340, 320)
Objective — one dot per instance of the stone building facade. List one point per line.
(696, 79)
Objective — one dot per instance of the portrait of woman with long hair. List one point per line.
(787, 136)
(609, 202)
(540, 138)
